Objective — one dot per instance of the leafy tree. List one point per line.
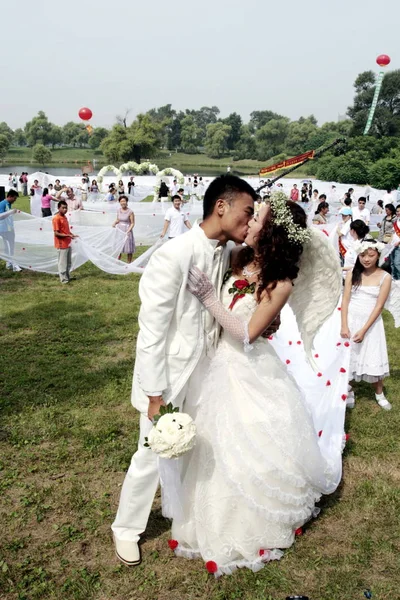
(38, 130)
(141, 138)
(234, 121)
(97, 136)
(41, 154)
(259, 118)
(217, 136)
(7, 131)
(271, 137)
(246, 147)
(4, 145)
(299, 135)
(353, 167)
(385, 173)
(387, 115)
(191, 135)
(205, 116)
(19, 137)
(75, 134)
(56, 135)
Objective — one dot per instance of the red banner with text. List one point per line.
(290, 162)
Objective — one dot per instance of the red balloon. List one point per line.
(383, 60)
(85, 114)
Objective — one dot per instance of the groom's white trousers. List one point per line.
(140, 484)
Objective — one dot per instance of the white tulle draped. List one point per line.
(98, 242)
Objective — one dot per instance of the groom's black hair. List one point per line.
(225, 187)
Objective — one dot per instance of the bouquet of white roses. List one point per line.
(173, 434)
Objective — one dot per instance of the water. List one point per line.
(75, 171)
(61, 171)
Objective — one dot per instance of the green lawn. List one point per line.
(67, 433)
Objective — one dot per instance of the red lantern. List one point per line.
(383, 60)
(85, 114)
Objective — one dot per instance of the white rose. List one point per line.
(173, 435)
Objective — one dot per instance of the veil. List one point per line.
(317, 288)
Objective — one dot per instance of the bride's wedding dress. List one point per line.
(262, 458)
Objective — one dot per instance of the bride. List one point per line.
(258, 466)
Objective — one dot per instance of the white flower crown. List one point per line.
(283, 216)
(361, 246)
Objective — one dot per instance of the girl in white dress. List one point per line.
(262, 458)
(366, 290)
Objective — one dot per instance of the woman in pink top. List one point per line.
(46, 202)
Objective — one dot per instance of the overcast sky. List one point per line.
(296, 58)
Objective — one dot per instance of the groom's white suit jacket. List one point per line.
(172, 321)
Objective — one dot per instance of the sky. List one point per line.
(295, 58)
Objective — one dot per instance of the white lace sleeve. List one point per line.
(317, 289)
(200, 286)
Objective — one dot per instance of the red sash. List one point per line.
(396, 227)
(342, 249)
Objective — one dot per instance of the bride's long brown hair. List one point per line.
(277, 256)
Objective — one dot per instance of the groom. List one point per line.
(176, 334)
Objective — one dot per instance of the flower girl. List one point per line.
(366, 290)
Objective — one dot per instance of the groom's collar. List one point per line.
(212, 243)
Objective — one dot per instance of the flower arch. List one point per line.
(106, 169)
(168, 171)
(139, 168)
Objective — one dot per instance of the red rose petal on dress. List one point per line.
(347, 344)
(319, 374)
(298, 531)
(211, 566)
(173, 544)
(342, 370)
(299, 342)
(23, 248)
(344, 397)
(71, 227)
(40, 228)
(319, 433)
(287, 361)
(316, 355)
(154, 214)
(339, 344)
(347, 437)
(270, 337)
(339, 308)
(290, 343)
(328, 383)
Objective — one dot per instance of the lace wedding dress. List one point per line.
(259, 465)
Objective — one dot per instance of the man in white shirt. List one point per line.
(175, 220)
(174, 188)
(387, 198)
(361, 212)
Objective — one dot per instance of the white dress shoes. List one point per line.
(127, 552)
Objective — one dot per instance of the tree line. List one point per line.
(267, 136)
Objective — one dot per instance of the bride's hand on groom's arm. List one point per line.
(154, 406)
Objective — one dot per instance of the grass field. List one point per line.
(66, 437)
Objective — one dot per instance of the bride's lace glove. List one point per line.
(200, 286)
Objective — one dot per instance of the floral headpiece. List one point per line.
(283, 216)
(361, 246)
